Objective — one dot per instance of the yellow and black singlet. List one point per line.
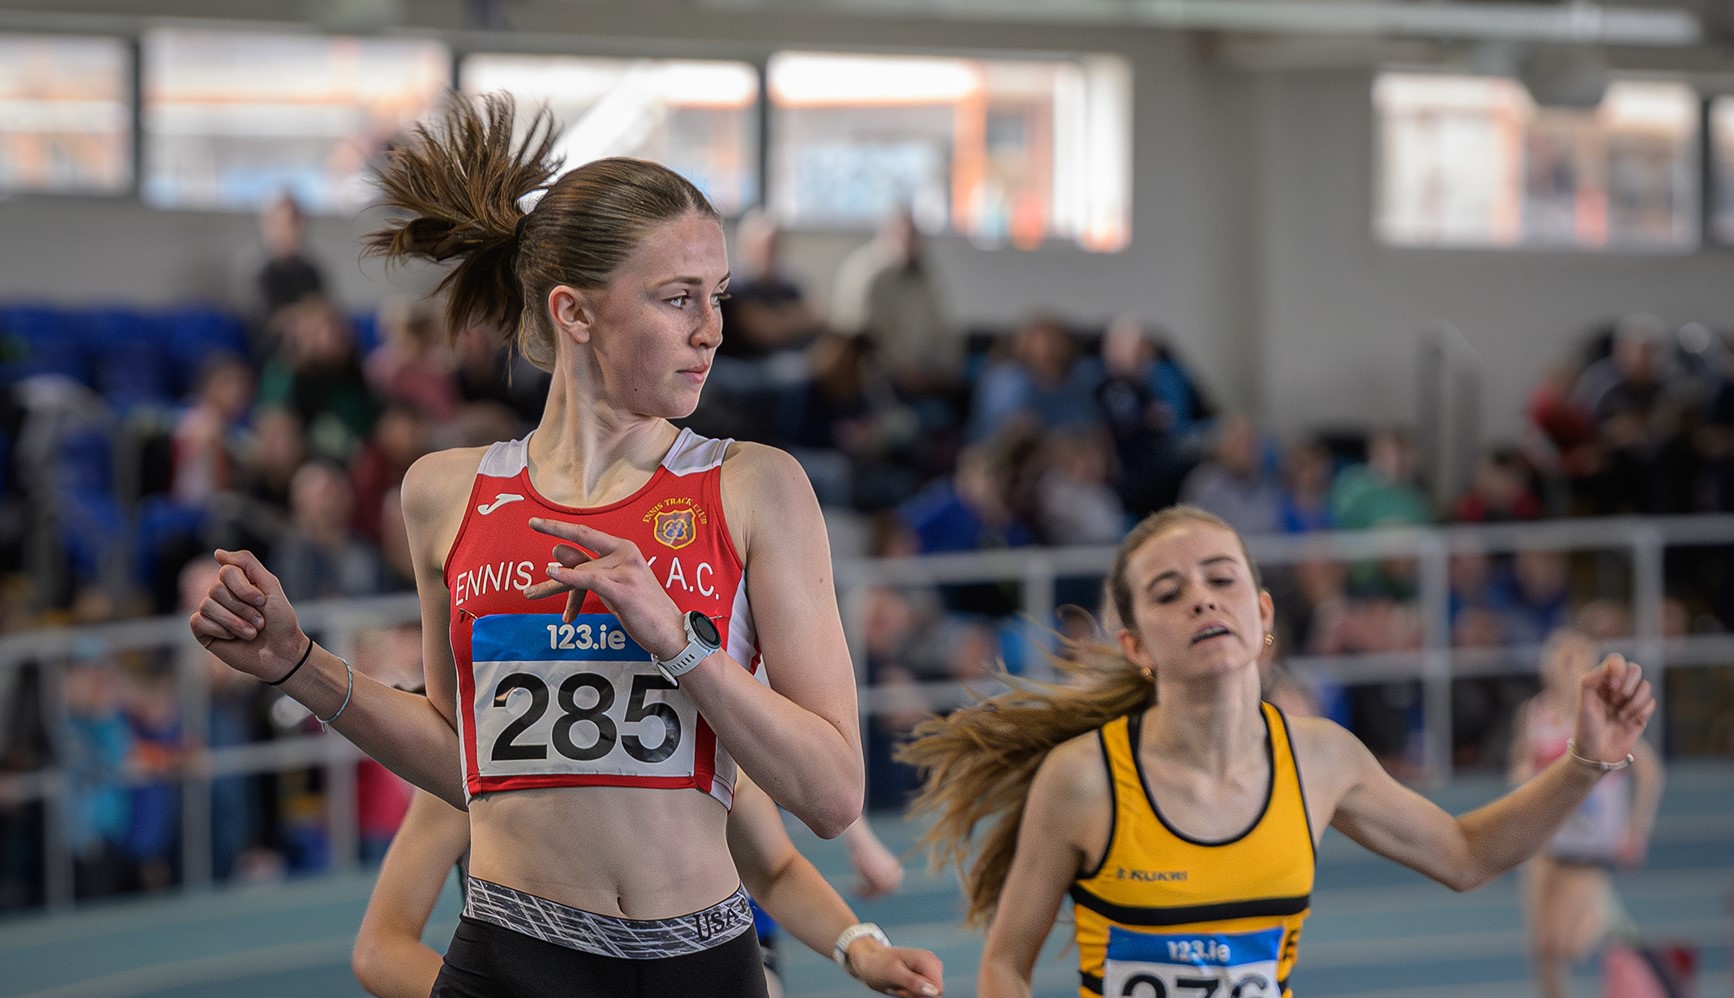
(1169, 916)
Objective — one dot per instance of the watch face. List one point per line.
(703, 629)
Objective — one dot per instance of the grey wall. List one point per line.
(1251, 232)
(1342, 314)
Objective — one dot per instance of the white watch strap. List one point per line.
(685, 662)
(840, 948)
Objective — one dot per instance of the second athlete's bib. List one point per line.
(1192, 965)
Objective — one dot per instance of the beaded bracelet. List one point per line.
(1595, 764)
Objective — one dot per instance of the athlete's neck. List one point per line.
(1213, 725)
(585, 453)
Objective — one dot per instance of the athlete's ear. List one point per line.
(572, 314)
(1266, 611)
(1132, 647)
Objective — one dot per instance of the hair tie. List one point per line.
(526, 204)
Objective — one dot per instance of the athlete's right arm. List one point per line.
(248, 623)
(1065, 826)
(389, 958)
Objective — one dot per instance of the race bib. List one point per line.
(579, 698)
(1191, 965)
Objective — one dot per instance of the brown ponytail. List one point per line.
(979, 761)
(459, 179)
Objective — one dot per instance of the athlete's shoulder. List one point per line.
(1321, 743)
(754, 466)
(437, 482)
(764, 487)
(1075, 770)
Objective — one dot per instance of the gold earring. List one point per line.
(1149, 677)
(1270, 639)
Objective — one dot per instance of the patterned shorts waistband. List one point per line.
(609, 935)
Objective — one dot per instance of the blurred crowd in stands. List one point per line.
(134, 440)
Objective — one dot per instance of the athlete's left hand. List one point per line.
(1614, 703)
(896, 970)
(615, 570)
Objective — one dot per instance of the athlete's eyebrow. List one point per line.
(697, 282)
(1206, 563)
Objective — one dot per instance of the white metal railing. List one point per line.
(339, 624)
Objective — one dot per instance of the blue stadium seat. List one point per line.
(196, 333)
(131, 358)
(162, 525)
(366, 332)
(42, 339)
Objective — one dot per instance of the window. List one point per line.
(1000, 150)
(65, 114)
(1722, 168)
(232, 119)
(1474, 161)
(696, 117)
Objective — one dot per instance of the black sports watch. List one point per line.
(701, 640)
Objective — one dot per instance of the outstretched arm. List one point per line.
(1615, 703)
(788, 887)
(389, 958)
(247, 622)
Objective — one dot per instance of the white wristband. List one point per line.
(840, 948)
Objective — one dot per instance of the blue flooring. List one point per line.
(1377, 930)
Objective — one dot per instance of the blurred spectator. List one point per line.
(1151, 406)
(1639, 415)
(95, 763)
(202, 452)
(1475, 617)
(886, 292)
(256, 513)
(234, 718)
(1715, 440)
(1533, 596)
(491, 372)
(766, 311)
(760, 373)
(1567, 431)
(1074, 502)
(1604, 619)
(412, 365)
(25, 747)
(1500, 491)
(399, 438)
(1384, 491)
(1306, 488)
(848, 407)
(321, 556)
(394, 548)
(391, 656)
(316, 372)
(288, 275)
(151, 844)
(971, 510)
(1235, 483)
(1040, 382)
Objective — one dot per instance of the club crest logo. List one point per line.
(675, 528)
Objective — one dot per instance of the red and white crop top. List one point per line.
(542, 703)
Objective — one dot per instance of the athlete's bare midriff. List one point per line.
(622, 851)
